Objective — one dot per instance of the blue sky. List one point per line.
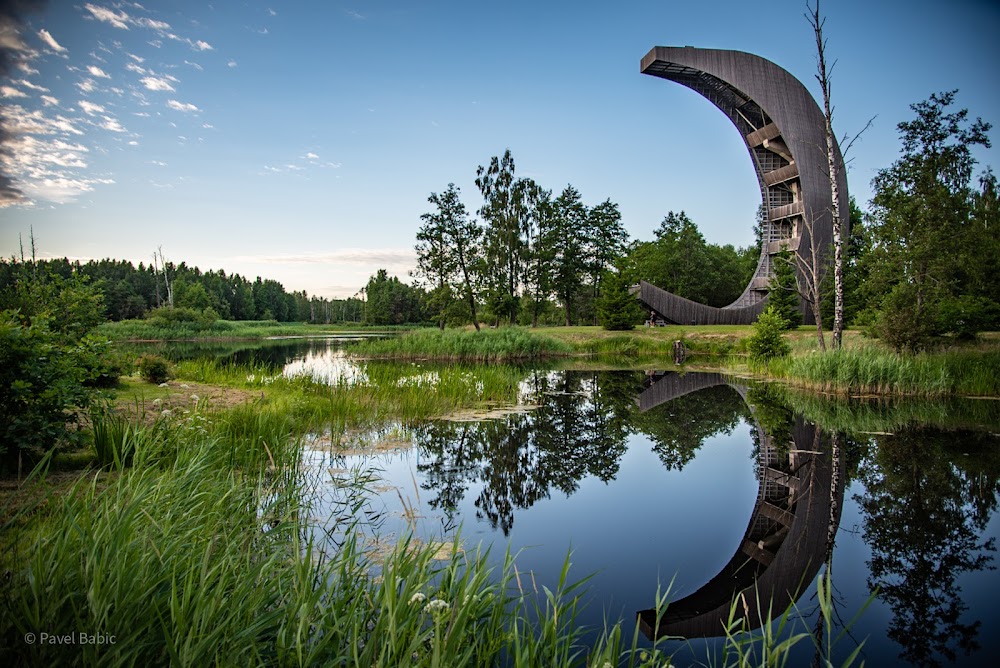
(299, 140)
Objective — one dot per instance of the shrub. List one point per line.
(154, 369)
(765, 342)
(967, 315)
(616, 308)
(170, 317)
(41, 388)
(103, 364)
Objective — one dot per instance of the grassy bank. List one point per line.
(872, 370)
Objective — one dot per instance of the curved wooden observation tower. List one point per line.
(784, 131)
(786, 540)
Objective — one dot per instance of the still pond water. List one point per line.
(709, 485)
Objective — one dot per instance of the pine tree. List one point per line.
(616, 308)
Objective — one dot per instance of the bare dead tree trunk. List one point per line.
(809, 277)
(823, 76)
(156, 280)
(166, 278)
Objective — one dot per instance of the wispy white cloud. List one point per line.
(182, 106)
(202, 45)
(156, 83)
(354, 14)
(117, 19)
(97, 72)
(50, 41)
(28, 84)
(49, 101)
(231, 63)
(10, 91)
(194, 65)
(112, 124)
(152, 23)
(311, 156)
(87, 85)
(90, 108)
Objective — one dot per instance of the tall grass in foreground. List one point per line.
(489, 345)
(873, 371)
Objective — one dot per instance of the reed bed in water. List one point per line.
(489, 345)
(872, 370)
(373, 393)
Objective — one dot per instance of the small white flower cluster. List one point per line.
(436, 605)
(252, 379)
(417, 598)
(429, 379)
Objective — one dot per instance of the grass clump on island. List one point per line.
(506, 344)
(166, 324)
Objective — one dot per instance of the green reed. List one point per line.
(872, 370)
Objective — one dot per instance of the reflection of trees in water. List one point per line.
(580, 429)
(679, 427)
(924, 516)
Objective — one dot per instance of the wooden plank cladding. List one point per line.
(781, 175)
(758, 137)
(792, 244)
(786, 211)
(775, 513)
(683, 311)
(755, 551)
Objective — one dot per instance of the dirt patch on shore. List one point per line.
(147, 403)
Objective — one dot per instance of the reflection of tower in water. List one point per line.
(785, 541)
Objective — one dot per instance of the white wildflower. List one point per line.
(417, 598)
(436, 605)
(166, 412)
(164, 385)
(194, 398)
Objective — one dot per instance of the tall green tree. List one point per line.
(921, 219)
(607, 240)
(538, 269)
(435, 256)
(567, 241)
(506, 204)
